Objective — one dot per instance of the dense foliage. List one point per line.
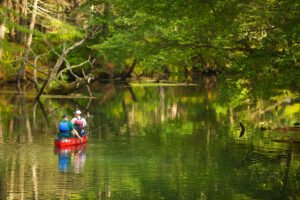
(125, 37)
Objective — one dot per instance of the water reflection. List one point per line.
(149, 143)
(71, 158)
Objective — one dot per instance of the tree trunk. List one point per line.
(128, 74)
(22, 21)
(16, 7)
(44, 86)
(105, 27)
(2, 36)
(76, 15)
(2, 28)
(21, 72)
(12, 20)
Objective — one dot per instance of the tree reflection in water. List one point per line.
(152, 143)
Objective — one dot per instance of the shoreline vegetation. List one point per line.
(57, 48)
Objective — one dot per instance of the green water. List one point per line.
(158, 142)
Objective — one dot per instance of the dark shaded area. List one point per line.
(243, 129)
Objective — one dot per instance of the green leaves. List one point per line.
(248, 37)
(63, 31)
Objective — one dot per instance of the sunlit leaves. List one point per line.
(62, 31)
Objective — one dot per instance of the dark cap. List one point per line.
(65, 115)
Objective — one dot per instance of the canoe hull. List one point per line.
(64, 142)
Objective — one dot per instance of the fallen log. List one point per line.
(288, 128)
(79, 82)
(290, 141)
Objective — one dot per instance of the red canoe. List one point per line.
(63, 142)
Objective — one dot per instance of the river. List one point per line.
(150, 142)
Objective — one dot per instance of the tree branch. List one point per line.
(72, 67)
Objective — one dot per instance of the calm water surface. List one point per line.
(156, 142)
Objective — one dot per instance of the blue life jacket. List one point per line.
(64, 127)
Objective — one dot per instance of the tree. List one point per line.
(21, 72)
(145, 37)
(2, 26)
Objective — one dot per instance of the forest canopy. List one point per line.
(59, 44)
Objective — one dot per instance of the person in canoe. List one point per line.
(79, 123)
(66, 128)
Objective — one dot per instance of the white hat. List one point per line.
(77, 112)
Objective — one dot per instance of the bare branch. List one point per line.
(89, 90)
(87, 77)
(69, 67)
(69, 49)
